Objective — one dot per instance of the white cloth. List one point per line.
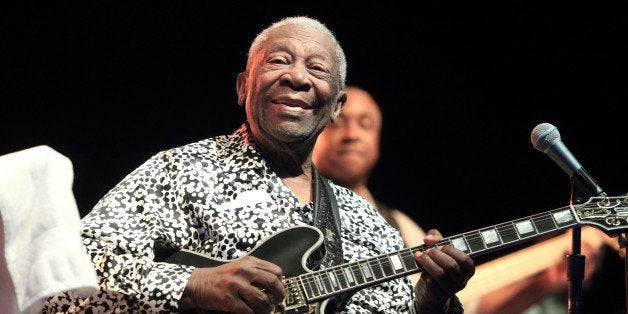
(41, 251)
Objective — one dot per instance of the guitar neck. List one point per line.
(608, 214)
(324, 283)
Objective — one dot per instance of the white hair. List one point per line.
(260, 39)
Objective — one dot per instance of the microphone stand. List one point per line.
(582, 188)
(622, 239)
(575, 273)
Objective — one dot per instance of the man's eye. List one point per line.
(317, 68)
(367, 123)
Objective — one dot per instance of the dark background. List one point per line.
(461, 87)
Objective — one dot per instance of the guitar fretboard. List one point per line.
(324, 283)
(490, 238)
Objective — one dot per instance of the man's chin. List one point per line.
(352, 169)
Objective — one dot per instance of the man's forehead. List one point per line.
(362, 103)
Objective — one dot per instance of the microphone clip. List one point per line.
(583, 187)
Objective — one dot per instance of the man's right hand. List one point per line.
(246, 285)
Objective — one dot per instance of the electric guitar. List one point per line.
(311, 291)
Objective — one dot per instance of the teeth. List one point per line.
(290, 103)
(287, 103)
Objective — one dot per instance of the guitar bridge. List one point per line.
(295, 301)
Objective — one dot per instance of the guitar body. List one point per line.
(289, 249)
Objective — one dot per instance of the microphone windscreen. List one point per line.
(543, 136)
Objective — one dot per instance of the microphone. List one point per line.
(546, 138)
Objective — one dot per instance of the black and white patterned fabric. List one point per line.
(218, 197)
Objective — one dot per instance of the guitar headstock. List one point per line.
(607, 213)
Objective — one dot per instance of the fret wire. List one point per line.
(336, 278)
(387, 266)
(395, 262)
(335, 285)
(368, 271)
(316, 284)
(348, 276)
(383, 262)
(376, 266)
(326, 281)
(341, 277)
(367, 275)
(517, 234)
(357, 273)
(408, 259)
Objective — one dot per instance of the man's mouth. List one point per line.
(292, 103)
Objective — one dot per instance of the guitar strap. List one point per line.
(327, 219)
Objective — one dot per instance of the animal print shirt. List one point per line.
(217, 197)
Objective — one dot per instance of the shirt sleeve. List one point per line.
(120, 235)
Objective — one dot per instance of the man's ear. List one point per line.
(241, 88)
(340, 103)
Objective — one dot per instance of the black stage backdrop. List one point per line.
(461, 87)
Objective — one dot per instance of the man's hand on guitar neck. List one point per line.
(446, 271)
(246, 285)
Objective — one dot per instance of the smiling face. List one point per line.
(291, 89)
(348, 149)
